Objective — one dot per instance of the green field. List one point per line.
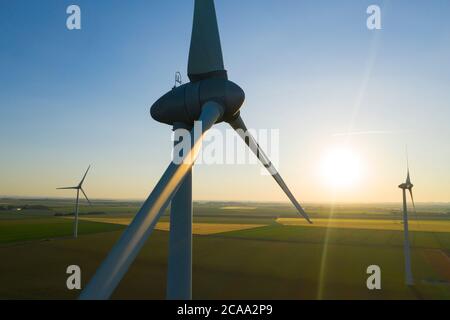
(13, 231)
(271, 261)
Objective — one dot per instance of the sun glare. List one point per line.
(340, 168)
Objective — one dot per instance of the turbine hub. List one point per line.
(406, 186)
(184, 103)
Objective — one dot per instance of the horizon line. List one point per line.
(15, 197)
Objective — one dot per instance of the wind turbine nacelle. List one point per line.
(406, 186)
(183, 104)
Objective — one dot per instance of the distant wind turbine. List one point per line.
(79, 188)
(407, 252)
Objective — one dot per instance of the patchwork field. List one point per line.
(197, 228)
(23, 230)
(262, 253)
(371, 224)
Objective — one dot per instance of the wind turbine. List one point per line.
(79, 188)
(209, 98)
(407, 252)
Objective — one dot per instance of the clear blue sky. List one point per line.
(309, 68)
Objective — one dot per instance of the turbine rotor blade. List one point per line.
(124, 252)
(412, 199)
(67, 188)
(84, 177)
(86, 196)
(240, 127)
(205, 53)
(408, 178)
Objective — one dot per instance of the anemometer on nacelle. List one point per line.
(178, 80)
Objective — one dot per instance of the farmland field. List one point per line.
(373, 224)
(198, 228)
(248, 251)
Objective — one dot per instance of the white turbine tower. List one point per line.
(210, 98)
(79, 188)
(407, 251)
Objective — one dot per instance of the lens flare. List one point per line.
(340, 168)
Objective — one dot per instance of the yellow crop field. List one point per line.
(372, 224)
(198, 228)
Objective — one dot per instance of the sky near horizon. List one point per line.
(309, 68)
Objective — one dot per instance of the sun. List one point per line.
(340, 167)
